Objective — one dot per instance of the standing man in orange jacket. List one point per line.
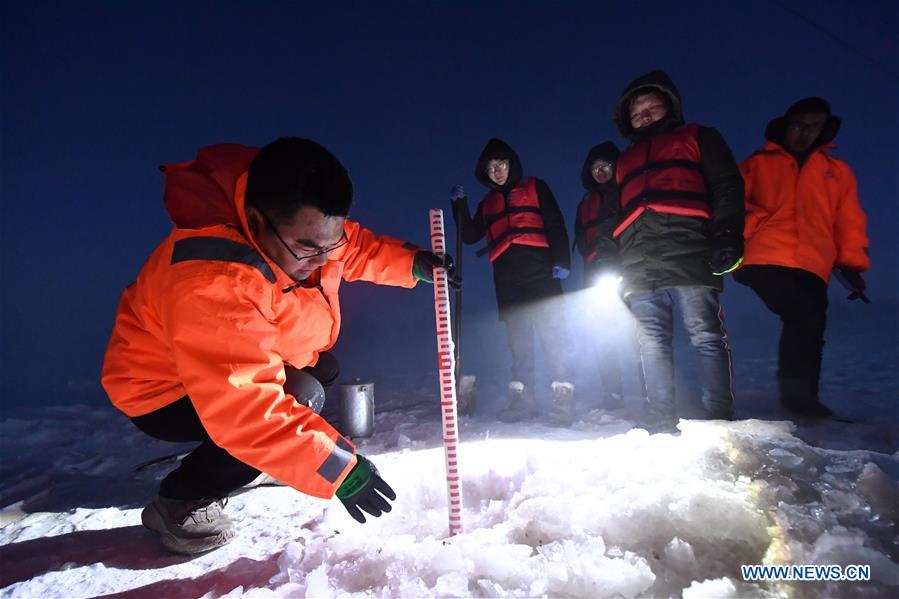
(803, 219)
(222, 338)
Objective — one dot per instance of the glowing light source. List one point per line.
(605, 288)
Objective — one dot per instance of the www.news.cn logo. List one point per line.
(807, 572)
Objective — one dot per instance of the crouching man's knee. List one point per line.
(307, 390)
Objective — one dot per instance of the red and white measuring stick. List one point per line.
(446, 364)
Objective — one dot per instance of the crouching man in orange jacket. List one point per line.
(803, 219)
(222, 338)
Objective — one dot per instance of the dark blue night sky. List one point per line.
(95, 95)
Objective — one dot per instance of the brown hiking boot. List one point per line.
(465, 395)
(522, 404)
(561, 411)
(189, 525)
(657, 421)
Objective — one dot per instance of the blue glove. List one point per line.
(457, 193)
(560, 272)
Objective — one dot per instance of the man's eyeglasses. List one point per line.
(315, 252)
(800, 127)
(602, 166)
(498, 167)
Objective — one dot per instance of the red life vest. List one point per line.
(516, 220)
(588, 221)
(663, 174)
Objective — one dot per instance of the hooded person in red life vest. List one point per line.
(598, 250)
(596, 245)
(223, 337)
(679, 228)
(803, 220)
(527, 243)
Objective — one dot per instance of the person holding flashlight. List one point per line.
(600, 253)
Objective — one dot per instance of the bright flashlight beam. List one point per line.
(605, 289)
(607, 285)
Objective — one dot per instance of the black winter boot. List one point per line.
(799, 398)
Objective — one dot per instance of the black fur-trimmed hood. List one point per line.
(497, 149)
(655, 81)
(777, 127)
(607, 151)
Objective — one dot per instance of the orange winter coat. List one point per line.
(211, 317)
(808, 218)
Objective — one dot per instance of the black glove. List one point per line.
(852, 280)
(725, 260)
(363, 489)
(460, 210)
(727, 251)
(425, 262)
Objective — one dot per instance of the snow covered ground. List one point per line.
(598, 510)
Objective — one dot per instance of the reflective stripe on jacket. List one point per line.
(212, 318)
(808, 218)
(663, 174)
(518, 220)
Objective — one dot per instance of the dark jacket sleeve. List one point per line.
(580, 241)
(606, 244)
(554, 224)
(473, 229)
(725, 185)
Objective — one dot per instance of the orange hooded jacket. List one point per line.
(808, 218)
(212, 318)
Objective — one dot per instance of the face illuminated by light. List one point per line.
(602, 171)
(647, 108)
(300, 245)
(498, 171)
